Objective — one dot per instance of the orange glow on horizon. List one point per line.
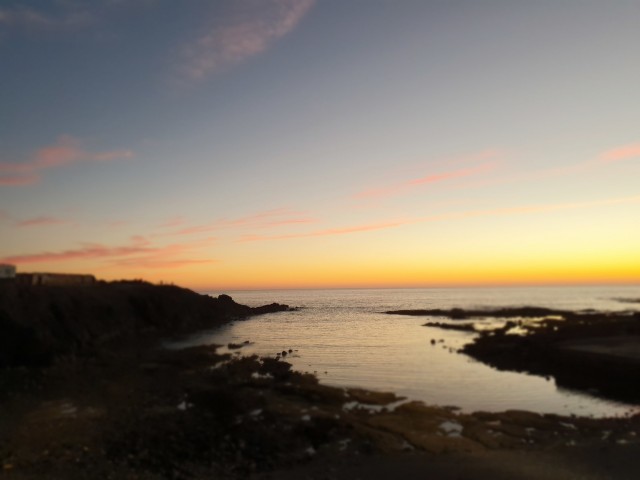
(405, 276)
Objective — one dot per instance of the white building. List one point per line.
(7, 271)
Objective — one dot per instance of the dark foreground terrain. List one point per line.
(39, 324)
(132, 410)
(161, 414)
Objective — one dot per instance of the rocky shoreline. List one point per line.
(170, 415)
(40, 324)
(598, 352)
(137, 411)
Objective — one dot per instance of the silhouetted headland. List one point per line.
(72, 315)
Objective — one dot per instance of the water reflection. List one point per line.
(343, 337)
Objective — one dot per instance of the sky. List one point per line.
(257, 144)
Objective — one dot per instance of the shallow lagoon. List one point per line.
(344, 337)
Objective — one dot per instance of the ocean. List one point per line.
(344, 337)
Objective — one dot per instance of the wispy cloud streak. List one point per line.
(40, 221)
(524, 209)
(621, 153)
(35, 221)
(464, 172)
(139, 252)
(65, 152)
(18, 181)
(528, 209)
(434, 178)
(331, 231)
(280, 217)
(224, 46)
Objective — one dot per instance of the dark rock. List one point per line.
(271, 308)
(461, 314)
(40, 323)
(585, 351)
(466, 327)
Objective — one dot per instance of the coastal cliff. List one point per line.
(40, 323)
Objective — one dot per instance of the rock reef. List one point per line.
(595, 352)
(598, 352)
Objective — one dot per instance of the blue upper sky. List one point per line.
(190, 140)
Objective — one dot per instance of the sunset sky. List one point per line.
(229, 144)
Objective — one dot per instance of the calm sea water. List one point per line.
(344, 337)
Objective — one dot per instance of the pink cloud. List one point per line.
(330, 231)
(87, 251)
(464, 172)
(279, 217)
(588, 166)
(435, 177)
(117, 223)
(37, 221)
(170, 256)
(524, 209)
(40, 221)
(139, 252)
(173, 222)
(528, 209)
(290, 221)
(563, 206)
(161, 262)
(270, 218)
(621, 153)
(243, 37)
(18, 181)
(197, 229)
(360, 228)
(65, 152)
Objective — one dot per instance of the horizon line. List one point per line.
(635, 283)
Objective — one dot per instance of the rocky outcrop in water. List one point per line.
(40, 323)
(597, 351)
(466, 314)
